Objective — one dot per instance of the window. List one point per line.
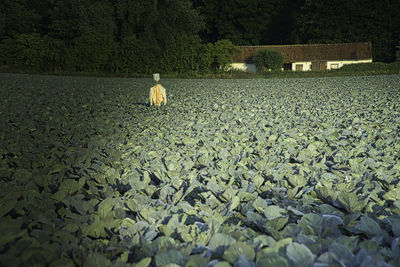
(299, 67)
(334, 66)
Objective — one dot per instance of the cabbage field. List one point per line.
(247, 172)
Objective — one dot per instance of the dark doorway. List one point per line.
(287, 66)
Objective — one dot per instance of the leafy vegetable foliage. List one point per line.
(231, 172)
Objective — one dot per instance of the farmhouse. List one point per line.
(304, 57)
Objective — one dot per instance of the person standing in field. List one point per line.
(157, 93)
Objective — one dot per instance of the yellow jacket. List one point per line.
(157, 95)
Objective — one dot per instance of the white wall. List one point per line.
(338, 64)
(244, 67)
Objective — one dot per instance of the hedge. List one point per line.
(97, 52)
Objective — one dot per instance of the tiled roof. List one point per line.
(309, 52)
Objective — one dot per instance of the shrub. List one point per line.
(205, 58)
(223, 55)
(268, 59)
(187, 54)
(182, 55)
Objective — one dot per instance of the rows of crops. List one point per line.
(290, 172)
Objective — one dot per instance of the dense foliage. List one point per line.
(179, 35)
(248, 22)
(231, 172)
(265, 59)
(107, 36)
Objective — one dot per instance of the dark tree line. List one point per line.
(180, 35)
(349, 21)
(249, 22)
(253, 22)
(123, 36)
